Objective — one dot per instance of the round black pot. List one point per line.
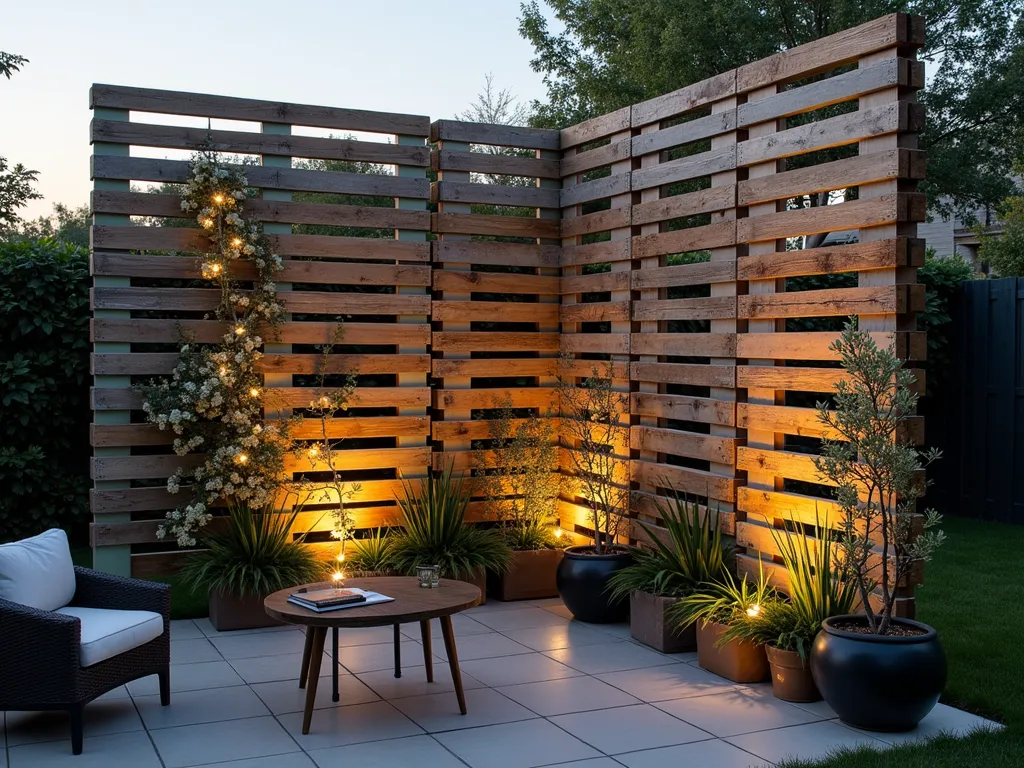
(875, 682)
(582, 581)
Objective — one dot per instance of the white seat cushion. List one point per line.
(38, 572)
(106, 632)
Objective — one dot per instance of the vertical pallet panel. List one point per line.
(596, 263)
(495, 282)
(352, 256)
(684, 327)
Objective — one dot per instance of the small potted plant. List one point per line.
(714, 608)
(788, 629)
(254, 556)
(877, 671)
(435, 532)
(518, 476)
(663, 572)
(590, 414)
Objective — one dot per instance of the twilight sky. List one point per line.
(426, 57)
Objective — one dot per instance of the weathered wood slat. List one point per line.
(851, 171)
(683, 100)
(290, 145)
(834, 302)
(887, 209)
(493, 194)
(685, 168)
(683, 133)
(600, 221)
(689, 204)
(595, 253)
(682, 373)
(684, 480)
(253, 110)
(499, 341)
(683, 407)
(503, 311)
(600, 282)
(832, 132)
(496, 254)
(831, 52)
(611, 311)
(782, 418)
(502, 165)
(679, 443)
(701, 273)
(494, 282)
(588, 191)
(496, 135)
(823, 93)
(684, 344)
(796, 466)
(595, 128)
(498, 226)
(794, 378)
(575, 164)
(501, 367)
(855, 257)
(266, 177)
(701, 238)
(212, 331)
(710, 308)
(814, 345)
(597, 343)
(148, 204)
(523, 397)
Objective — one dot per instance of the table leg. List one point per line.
(428, 656)
(398, 652)
(315, 658)
(453, 660)
(305, 657)
(334, 666)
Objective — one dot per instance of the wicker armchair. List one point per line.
(40, 667)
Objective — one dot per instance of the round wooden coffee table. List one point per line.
(411, 603)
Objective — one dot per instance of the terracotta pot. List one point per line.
(478, 579)
(647, 623)
(531, 577)
(738, 660)
(229, 612)
(791, 676)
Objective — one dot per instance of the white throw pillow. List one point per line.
(38, 572)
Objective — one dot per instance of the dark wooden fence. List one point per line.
(978, 420)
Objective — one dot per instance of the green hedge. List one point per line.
(44, 381)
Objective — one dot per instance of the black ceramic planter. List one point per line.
(879, 683)
(582, 581)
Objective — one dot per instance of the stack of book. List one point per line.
(335, 598)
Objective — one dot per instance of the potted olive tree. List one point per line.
(876, 670)
(517, 473)
(665, 571)
(590, 429)
(787, 629)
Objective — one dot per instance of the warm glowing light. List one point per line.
(237, 242)
(558, 533)
(218, 199)
(223, 371)
(241, 458)
(239, 330)
(341, 558)
(753, 611)
(208, 223)
(254, 392)
(338, 576)
(313, 452)
(215, 268)
(325, 401)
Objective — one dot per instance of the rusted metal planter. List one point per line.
(738, 660)
(648, 624)
(531, 577)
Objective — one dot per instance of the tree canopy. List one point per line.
(618, 52)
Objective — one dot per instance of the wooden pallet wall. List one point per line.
(495, 282)
(374, 277)
(663, 239)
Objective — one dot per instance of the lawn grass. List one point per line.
(184, 604)
(974, 596)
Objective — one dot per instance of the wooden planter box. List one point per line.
(647, 623)
(531, 577)
(228, 612)
(737, 660)
(478, 579)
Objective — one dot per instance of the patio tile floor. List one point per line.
(541, 691)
